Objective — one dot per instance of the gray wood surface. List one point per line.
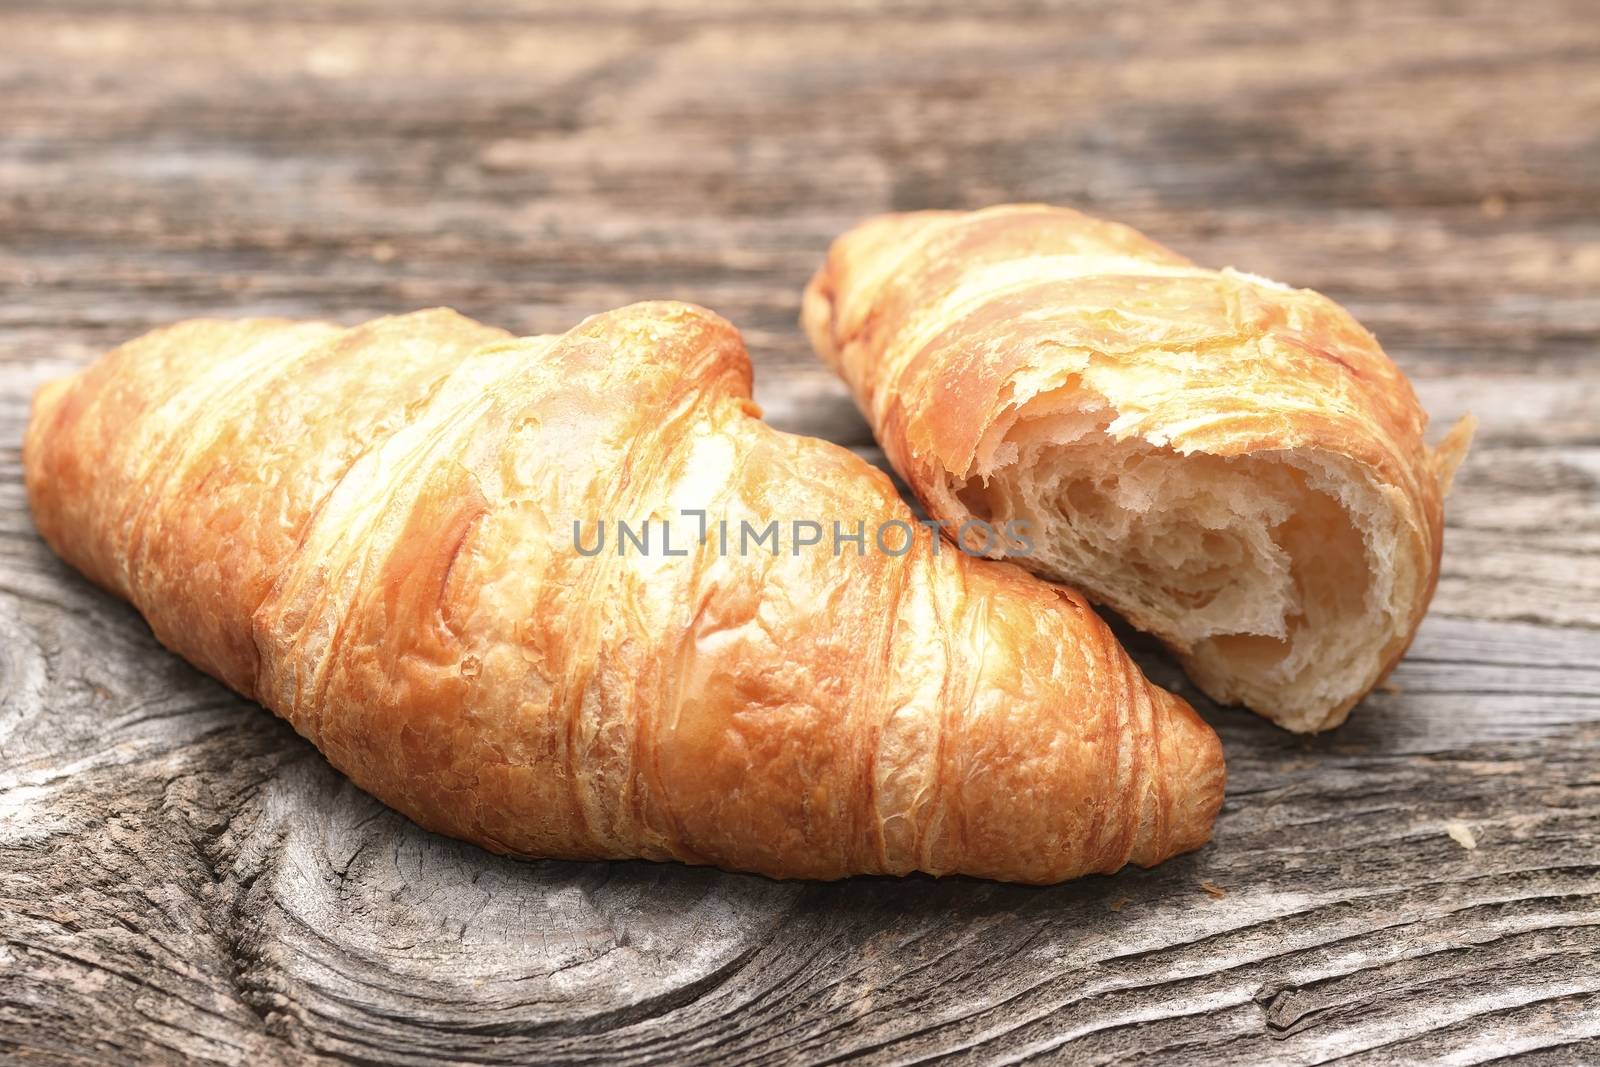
(182, 878)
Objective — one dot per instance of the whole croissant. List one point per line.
(371, 531)
(1233, 465)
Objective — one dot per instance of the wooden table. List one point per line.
(181, 876)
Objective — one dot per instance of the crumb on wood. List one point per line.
(1461, 834)
(1214, 889)
(1493, 206)
(1120, 903)
(1390, 686)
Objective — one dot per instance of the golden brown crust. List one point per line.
(370, 531)
(946, 325)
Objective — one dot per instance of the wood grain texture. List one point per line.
(181, 877)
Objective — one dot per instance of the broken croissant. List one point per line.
(371, 531)
(1233, 465)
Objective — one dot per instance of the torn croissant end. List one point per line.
(1233, 465)
(370, 531)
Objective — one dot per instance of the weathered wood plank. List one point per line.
(182, 877)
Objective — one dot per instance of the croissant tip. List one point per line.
(1196, 773)
(1450, 452)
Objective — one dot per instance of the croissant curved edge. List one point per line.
(1233, 465)
(372, 532)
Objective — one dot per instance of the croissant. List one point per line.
(392, 537)
(1233, 465)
